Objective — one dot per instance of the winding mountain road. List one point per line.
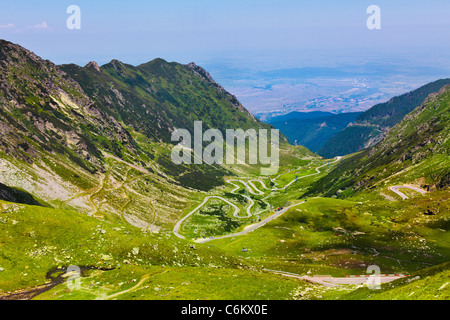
(250, 186)
(177, 227)
(251, 227)
(329, 281)
(404, 196)
(290, 183)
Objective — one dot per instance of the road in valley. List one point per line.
(290, 183)
(329, 281)
(253, 190)
(251, 227)
(176, 229)
(401, 194)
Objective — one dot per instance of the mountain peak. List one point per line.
(14, 53)
(116, 64)
(94, 65)
(202, 72)
(153, 64)
(159, 60)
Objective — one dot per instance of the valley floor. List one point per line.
(255, 238)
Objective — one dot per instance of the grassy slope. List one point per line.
(428, 284)
(339, 237)
(212, 221)
(55, 130)
(397, 236)
(35, 240)
(184, 283)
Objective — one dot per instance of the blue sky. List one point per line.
(302, 32)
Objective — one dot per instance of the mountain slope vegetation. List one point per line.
(98, 139)
(310, 131)
(157, 97)
(417, 150)
(371, 125)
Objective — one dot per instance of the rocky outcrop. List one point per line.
(231, 98)
(93, 65)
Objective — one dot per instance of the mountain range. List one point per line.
(87, 179)
(416, 150)
(370, 126)
(69, 116)
(312, 129)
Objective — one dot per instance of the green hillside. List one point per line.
(97, 139)
(87, 180)
(417, 151)
(156, 97)
(371, 125)
(313, 133)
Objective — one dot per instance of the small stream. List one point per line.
(30, 293)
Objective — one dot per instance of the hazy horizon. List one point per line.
(238, 41)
